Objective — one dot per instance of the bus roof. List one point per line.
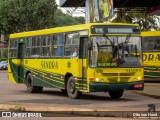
(150, 33)
(63, 29)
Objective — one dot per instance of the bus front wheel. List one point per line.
(116, 94)
(71, 89)
(30, 86)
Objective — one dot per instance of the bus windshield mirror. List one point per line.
(90, 45)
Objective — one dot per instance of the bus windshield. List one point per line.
(115, 51)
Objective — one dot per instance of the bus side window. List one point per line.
(28, 47)
(13, 48)
(58, 45)
(45, 46)
(71, 45)
(150, 47)
(146, 44)
(157, 44)
(36, 47)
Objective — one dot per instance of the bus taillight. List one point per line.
(138, 85)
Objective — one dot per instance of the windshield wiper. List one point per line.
(108, 39)
(127, 39)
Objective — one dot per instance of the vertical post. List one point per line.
(87, 16)
(2, 44)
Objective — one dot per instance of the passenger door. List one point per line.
(21, 62)
(83, 60)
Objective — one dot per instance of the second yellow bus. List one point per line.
(151, 55)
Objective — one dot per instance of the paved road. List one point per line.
(11, 93)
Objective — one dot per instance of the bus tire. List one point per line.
(30, 86)
(116, 94)
(71, 89)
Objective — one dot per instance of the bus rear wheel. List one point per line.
(116, 94)
(71, 89)
(30, 86)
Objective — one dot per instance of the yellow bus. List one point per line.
(151, 55)
(80, 58)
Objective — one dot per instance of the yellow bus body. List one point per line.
(151, 54)
(52, 71)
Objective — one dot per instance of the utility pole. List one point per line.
(2, 40)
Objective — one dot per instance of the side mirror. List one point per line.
(90, 45)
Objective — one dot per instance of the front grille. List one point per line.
(127, 74)
(116, 79)
(110, 74)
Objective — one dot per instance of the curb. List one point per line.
(147, 94)
(70, 111)
(3, 71)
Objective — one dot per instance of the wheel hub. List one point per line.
(71, 87)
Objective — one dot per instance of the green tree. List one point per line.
(63, 19)
(80, 20)
(26, 15)
(5, 53)
(145, 21)
(148, 23)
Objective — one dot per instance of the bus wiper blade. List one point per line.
(108, 39)
(127, 38)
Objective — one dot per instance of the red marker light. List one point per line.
(138, 85)
(91, 79)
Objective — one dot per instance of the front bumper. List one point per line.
(99, 87)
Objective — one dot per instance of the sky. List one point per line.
(76, 13)
(57, 1)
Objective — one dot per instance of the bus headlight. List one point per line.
(139, 78)
(97, 79)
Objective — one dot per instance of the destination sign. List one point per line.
(114, 30)
(99, 30)
(113, 64)
(120, 30)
